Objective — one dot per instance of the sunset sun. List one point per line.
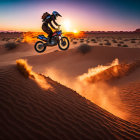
(75, 31)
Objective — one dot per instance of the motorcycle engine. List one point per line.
(53, 41)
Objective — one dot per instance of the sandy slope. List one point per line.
(130, 97)
(30, 112)
(21, 51)
(75, 63)
(66, 66)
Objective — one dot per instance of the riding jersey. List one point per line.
(48, 21)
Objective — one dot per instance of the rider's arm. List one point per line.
(55, 22)
(52, 25)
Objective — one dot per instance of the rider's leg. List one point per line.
(50, 34)
(47, 30)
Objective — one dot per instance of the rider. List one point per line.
(47, 20)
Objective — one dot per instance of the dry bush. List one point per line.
(97, 38)
(10, 45)
(121, 42)
(3, 39)
(84, 48)
(81, 41)
(114, 41)
(119, 45)
(133, 41)
(7, 39)
(101, 44)
(108, 43)
(74, 42)
(125, 45)
(126, 40)
(93, 40)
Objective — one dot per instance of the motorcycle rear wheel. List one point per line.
(40, 46)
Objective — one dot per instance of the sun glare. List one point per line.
(75, 31)
(67, 25)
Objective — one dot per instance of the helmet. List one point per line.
(55, 13)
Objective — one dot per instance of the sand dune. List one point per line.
(30, 112)
(21, 51)
(109, 73)
(65, 67)
(35, 107)
(75, 63)
(130, 97)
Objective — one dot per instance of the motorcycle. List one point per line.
(57, 39)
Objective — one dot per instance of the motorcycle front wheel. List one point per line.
(40, 46)
(63, 43)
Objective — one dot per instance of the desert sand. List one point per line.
(56, 96)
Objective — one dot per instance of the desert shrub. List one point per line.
(56, 51)
(119, 45)
(3, 39)
(114, 41)
(97, 38)
(81, 41)
(108, 43)
(101, 44)
(125, 46)
(93, 40)
(126, 40)
(133, 41)
(87, 41)
(10, 45)
(121, 42)
(74, 42)
(84, 48)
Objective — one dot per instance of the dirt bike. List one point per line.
(57, 39)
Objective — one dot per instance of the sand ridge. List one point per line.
(30, 112)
